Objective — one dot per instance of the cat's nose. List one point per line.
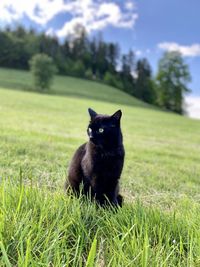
(91, 136)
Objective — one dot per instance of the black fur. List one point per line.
(98, 163)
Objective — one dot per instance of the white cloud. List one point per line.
(130, 5)
(192, 105)
(96, 16)
(93, 14)
(188, 51)
(38, 11)
(138, 53)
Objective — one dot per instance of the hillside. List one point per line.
(68, 86)
(161, 180)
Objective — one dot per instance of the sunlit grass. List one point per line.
(41, 226)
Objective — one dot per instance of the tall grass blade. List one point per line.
(92, 253)
(5, 257)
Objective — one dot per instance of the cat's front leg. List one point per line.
(115, 198)
(87, 188)
(100, 199)
(107, 199)
(120, 200)
(114, 201)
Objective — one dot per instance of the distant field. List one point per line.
(159, 224)
(68, 86)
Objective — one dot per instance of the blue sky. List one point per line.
(148, 27)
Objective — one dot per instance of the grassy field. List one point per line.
(159, 224)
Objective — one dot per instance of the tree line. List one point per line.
(95, 59)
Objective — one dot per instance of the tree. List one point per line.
(128, 63)
(112, 56)
(113, 80)
(78, 69)
(127, 72)
(172, 78)
(43, 71)
(93, 53)
(144, 89)
(79, 43)
(102, 62)
(89, 74)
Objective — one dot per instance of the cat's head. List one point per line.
(104, 130)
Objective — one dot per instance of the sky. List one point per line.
(148, 27)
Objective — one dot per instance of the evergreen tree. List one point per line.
(93, 53)
(144, 89)
(112, 56)
(102, 62)
(127, 72)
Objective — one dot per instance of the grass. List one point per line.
(74, 87)
(159, 224)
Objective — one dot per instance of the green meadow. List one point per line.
(159, 224)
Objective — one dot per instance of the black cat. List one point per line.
(98, 163)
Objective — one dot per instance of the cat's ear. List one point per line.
(92, 113)
(117, 115)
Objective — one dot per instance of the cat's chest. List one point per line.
(101, 163)
(104, 163)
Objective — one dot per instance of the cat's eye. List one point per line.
(89, 130)
(101, 130)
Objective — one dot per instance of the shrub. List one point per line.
(43, 70)
(112, 80)
(78, 69)
(89, 74)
